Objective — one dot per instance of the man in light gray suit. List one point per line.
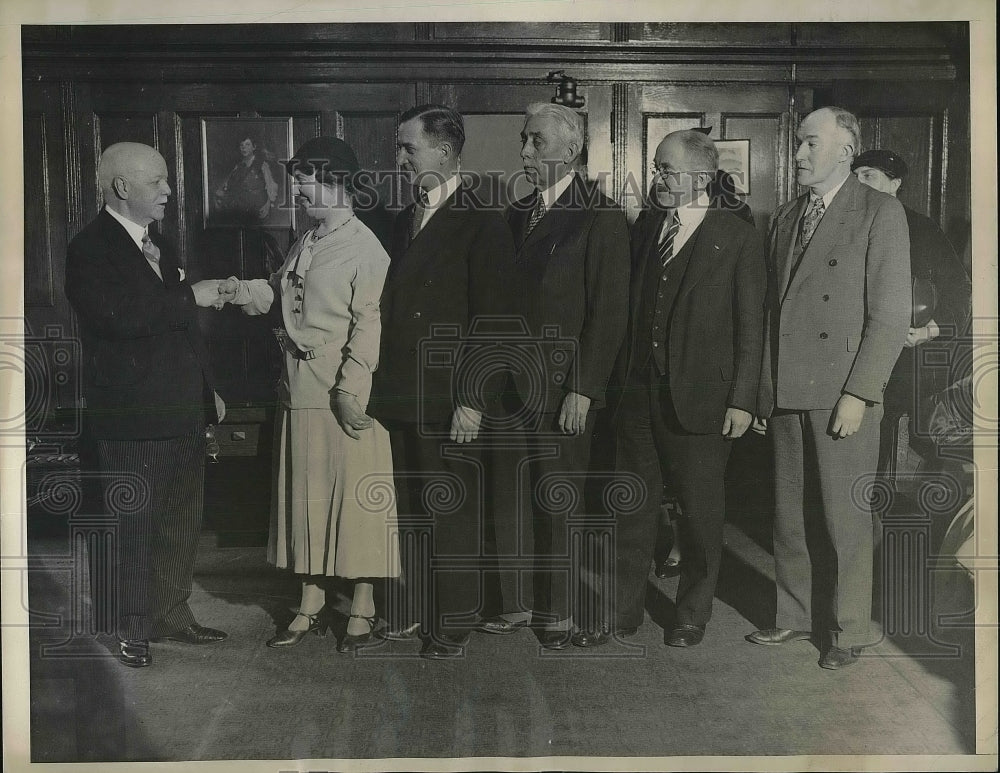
(838, 313)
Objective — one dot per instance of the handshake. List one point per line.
(215, 292)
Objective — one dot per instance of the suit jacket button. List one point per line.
(823, 335)
(826, 297)
(833, 262)
(428, 283)
(416, 315)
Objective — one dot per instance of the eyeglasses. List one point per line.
(664, 171)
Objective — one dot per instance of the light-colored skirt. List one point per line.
(333, 509)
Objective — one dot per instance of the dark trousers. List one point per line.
(652, 445)
(440, 504)
(154, 489)
(823, 534)
(538, 484)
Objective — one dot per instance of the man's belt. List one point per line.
(300, 354)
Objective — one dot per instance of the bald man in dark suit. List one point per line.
(148, 392)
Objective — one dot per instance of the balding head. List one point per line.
(829, 138)
(133, 179)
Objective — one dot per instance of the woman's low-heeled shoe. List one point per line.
(355, 641)
(317, 623)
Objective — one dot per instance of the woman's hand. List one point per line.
(350, 415)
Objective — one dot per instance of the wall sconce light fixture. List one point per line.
(566, 90)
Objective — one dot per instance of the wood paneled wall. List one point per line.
(87, 87)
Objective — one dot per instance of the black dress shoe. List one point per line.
(668, 567)
(411, 631)
(685, 635)
(836, 657)
(194, 634)
(555, 640)
(500, 625)
(772, 636)
(134, 653)
(444, 646)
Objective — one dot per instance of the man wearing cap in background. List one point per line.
(942, 298)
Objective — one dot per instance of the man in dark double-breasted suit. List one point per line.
(838, 313)
(148, 398)
(569, 287)
(448, 254)
(691, 365)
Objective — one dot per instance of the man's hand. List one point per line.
(262, 212)
(759, 425)
(736, 423)
(350, 415)
(573, 413)
(227, 292)
(847, 416)
(465, 424)
(921, 335)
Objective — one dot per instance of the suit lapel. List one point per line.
(784, 241)
(827, 232)
(706, 247)
(427, 244)
(128, 257)
(652, 222)
(564, 217)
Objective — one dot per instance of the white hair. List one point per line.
(569, 123)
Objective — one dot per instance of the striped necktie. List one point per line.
(536, 214)
(666, 246)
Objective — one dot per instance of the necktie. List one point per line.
(419, 206)
(152, 254)
(666, 246)
(150, 250)
(814, 213)
(536, 214)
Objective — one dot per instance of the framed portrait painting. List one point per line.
(243, 176)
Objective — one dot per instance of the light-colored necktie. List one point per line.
(419, 206)
(810, 220)
(536, 214)
(666, 246)
(152, 254)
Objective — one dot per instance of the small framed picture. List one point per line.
(734, 157)
(243, 175)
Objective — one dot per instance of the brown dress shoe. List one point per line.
(772, 636)
(445, 646)
(194, 634)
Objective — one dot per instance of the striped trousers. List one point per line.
(154, 489)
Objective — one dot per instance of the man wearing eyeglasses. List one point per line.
(691, 367)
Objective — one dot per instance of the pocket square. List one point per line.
(180, 274)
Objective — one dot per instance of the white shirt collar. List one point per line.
(691, 214)
(135, 230)
(437, 195)
(828, 196)
(551, 194)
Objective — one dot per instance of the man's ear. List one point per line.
(572, 152)
(894, 184)
(446, 150)
(119, 185)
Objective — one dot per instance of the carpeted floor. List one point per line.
(241, 700)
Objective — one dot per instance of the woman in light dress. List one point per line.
(333, 507)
